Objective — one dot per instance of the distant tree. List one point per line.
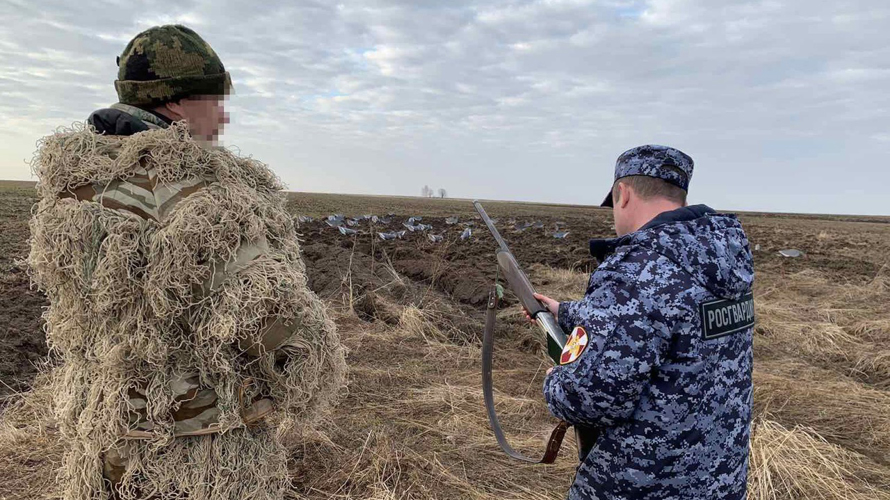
(426, 192)
(443, 193)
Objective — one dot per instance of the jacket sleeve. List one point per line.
(627, 338)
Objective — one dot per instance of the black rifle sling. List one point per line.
(559, 431)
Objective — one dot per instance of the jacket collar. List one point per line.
(602, 247)
(152, 120)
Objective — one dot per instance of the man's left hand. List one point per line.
(550, 304)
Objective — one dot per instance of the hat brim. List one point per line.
(608, 202)
(158, 92)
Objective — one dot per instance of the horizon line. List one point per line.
(527, 202)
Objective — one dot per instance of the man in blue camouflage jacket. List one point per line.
(659, 356)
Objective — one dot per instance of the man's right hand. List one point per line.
(550, 304)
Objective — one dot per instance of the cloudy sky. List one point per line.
(784, 104)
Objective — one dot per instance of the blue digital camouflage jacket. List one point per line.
(666, 372)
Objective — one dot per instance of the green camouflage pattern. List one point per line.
(168, 63)
(150, 120)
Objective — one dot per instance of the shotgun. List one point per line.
(556, 338)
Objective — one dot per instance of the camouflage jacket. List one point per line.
(659, 361)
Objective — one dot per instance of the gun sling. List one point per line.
(559, 432)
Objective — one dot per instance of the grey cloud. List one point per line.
(385, 96)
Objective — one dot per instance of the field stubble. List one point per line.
(412, 424)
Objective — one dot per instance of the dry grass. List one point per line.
(841, 326)
(561, 284)
(30, 449)
(413, 426)
(797, 463)
(413, 323)
(845, 412)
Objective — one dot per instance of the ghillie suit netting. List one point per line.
(180, 310)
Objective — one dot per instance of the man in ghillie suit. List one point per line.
(188, 338)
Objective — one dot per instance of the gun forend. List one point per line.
(519, 283)
(522, 287)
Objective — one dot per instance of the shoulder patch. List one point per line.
(723, 317)
(575, 345)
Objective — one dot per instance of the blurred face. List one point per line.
(205, 115)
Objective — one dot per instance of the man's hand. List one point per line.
(550, 304)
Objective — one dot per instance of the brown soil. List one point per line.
(22, 344)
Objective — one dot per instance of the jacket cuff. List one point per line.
(563, 317)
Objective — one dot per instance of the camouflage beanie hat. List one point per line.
(167, 63)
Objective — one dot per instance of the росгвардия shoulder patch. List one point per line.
(723, 317)
(575, 345)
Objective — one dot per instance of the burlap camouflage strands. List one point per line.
(191, 343)
(168, 63)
